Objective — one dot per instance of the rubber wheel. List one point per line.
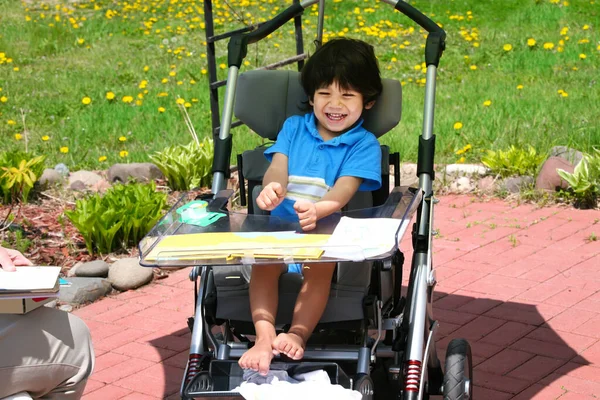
(364, 385)
(458, 378)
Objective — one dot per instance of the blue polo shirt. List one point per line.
(314, 165)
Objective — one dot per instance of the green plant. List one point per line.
(17, 240)
(18, 173)
(584, 182)
(513, 161)
(118, 219)
(186, 166)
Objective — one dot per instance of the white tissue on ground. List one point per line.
(313, 385)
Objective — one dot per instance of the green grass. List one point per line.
(66, 50)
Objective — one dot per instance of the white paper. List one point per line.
(29, 278)
(358, 238)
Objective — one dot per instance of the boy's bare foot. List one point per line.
(289, 344)
(258, 357)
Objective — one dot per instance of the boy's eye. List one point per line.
(348, 94)
(322, 93)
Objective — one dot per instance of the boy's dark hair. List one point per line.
(352, 63)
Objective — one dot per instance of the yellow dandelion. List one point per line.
(487, 103)
(3, 99)
(164, 80)
(564, 94)
(172, 73)
(86, 100)
(16, 69)
(146, 68)
(473, 67)
(519, 87)
(204, 71)
(123, 153)
(223, 66)
(531, 42)
(102, 158)
(11, 122)
(458, 125)
(586, 27)
(459, 152)
(467, 147)
(127, 99)
(45, 138)
(180, 101)
(507, 47)
(110, 96)
(81, 41)
(187, 104)
(64, 149)
(582, 56)
(122, 139)
(161, 109)
(461, 160)
(548, 46)
(18, 136)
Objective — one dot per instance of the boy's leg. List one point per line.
(309, 308)
(264, 295)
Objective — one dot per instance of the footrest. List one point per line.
(225, 375)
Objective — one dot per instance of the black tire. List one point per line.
(458, 376)
(364, 385)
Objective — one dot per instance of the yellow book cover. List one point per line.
(223, 244)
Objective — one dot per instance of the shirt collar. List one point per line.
(349, 137)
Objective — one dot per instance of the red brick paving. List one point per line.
(522, 283)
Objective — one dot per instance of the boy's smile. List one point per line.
(337, 109)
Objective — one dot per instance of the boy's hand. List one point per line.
(271, 196)
(307, 214)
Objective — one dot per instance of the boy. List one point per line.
(317, 164)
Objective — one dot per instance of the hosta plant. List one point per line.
(18, 173)
(584, 182)
(120, 218)
(514, 161)
(186, 166)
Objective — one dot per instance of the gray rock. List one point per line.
(73, 270)
(487, 185)
(127, 273)
(88, 178)
(548, 178)
(462, 185)
(408, 175)
(93, 269)
(66, 308)
(516, 183)
(78, 186)
(62, 169)
(465, 169)
(51, 177)
(84, 290)
(571, 155)
(141, 172)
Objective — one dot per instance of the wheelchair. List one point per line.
(373, 337)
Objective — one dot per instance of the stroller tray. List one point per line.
(202, 233)
(226, 375)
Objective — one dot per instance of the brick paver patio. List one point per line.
(521, 283)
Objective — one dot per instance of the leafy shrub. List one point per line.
(513, 161)
(585, 179)
(118, 219)
(186, 166)
(18, 173)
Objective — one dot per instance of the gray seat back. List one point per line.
(265, 99)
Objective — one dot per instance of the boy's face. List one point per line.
(337, 109)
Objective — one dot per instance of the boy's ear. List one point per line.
(311, 102)
(369, 104)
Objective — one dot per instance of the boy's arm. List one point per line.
(341, 193)
(274, 183)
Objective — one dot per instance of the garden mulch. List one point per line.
(521, 283)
